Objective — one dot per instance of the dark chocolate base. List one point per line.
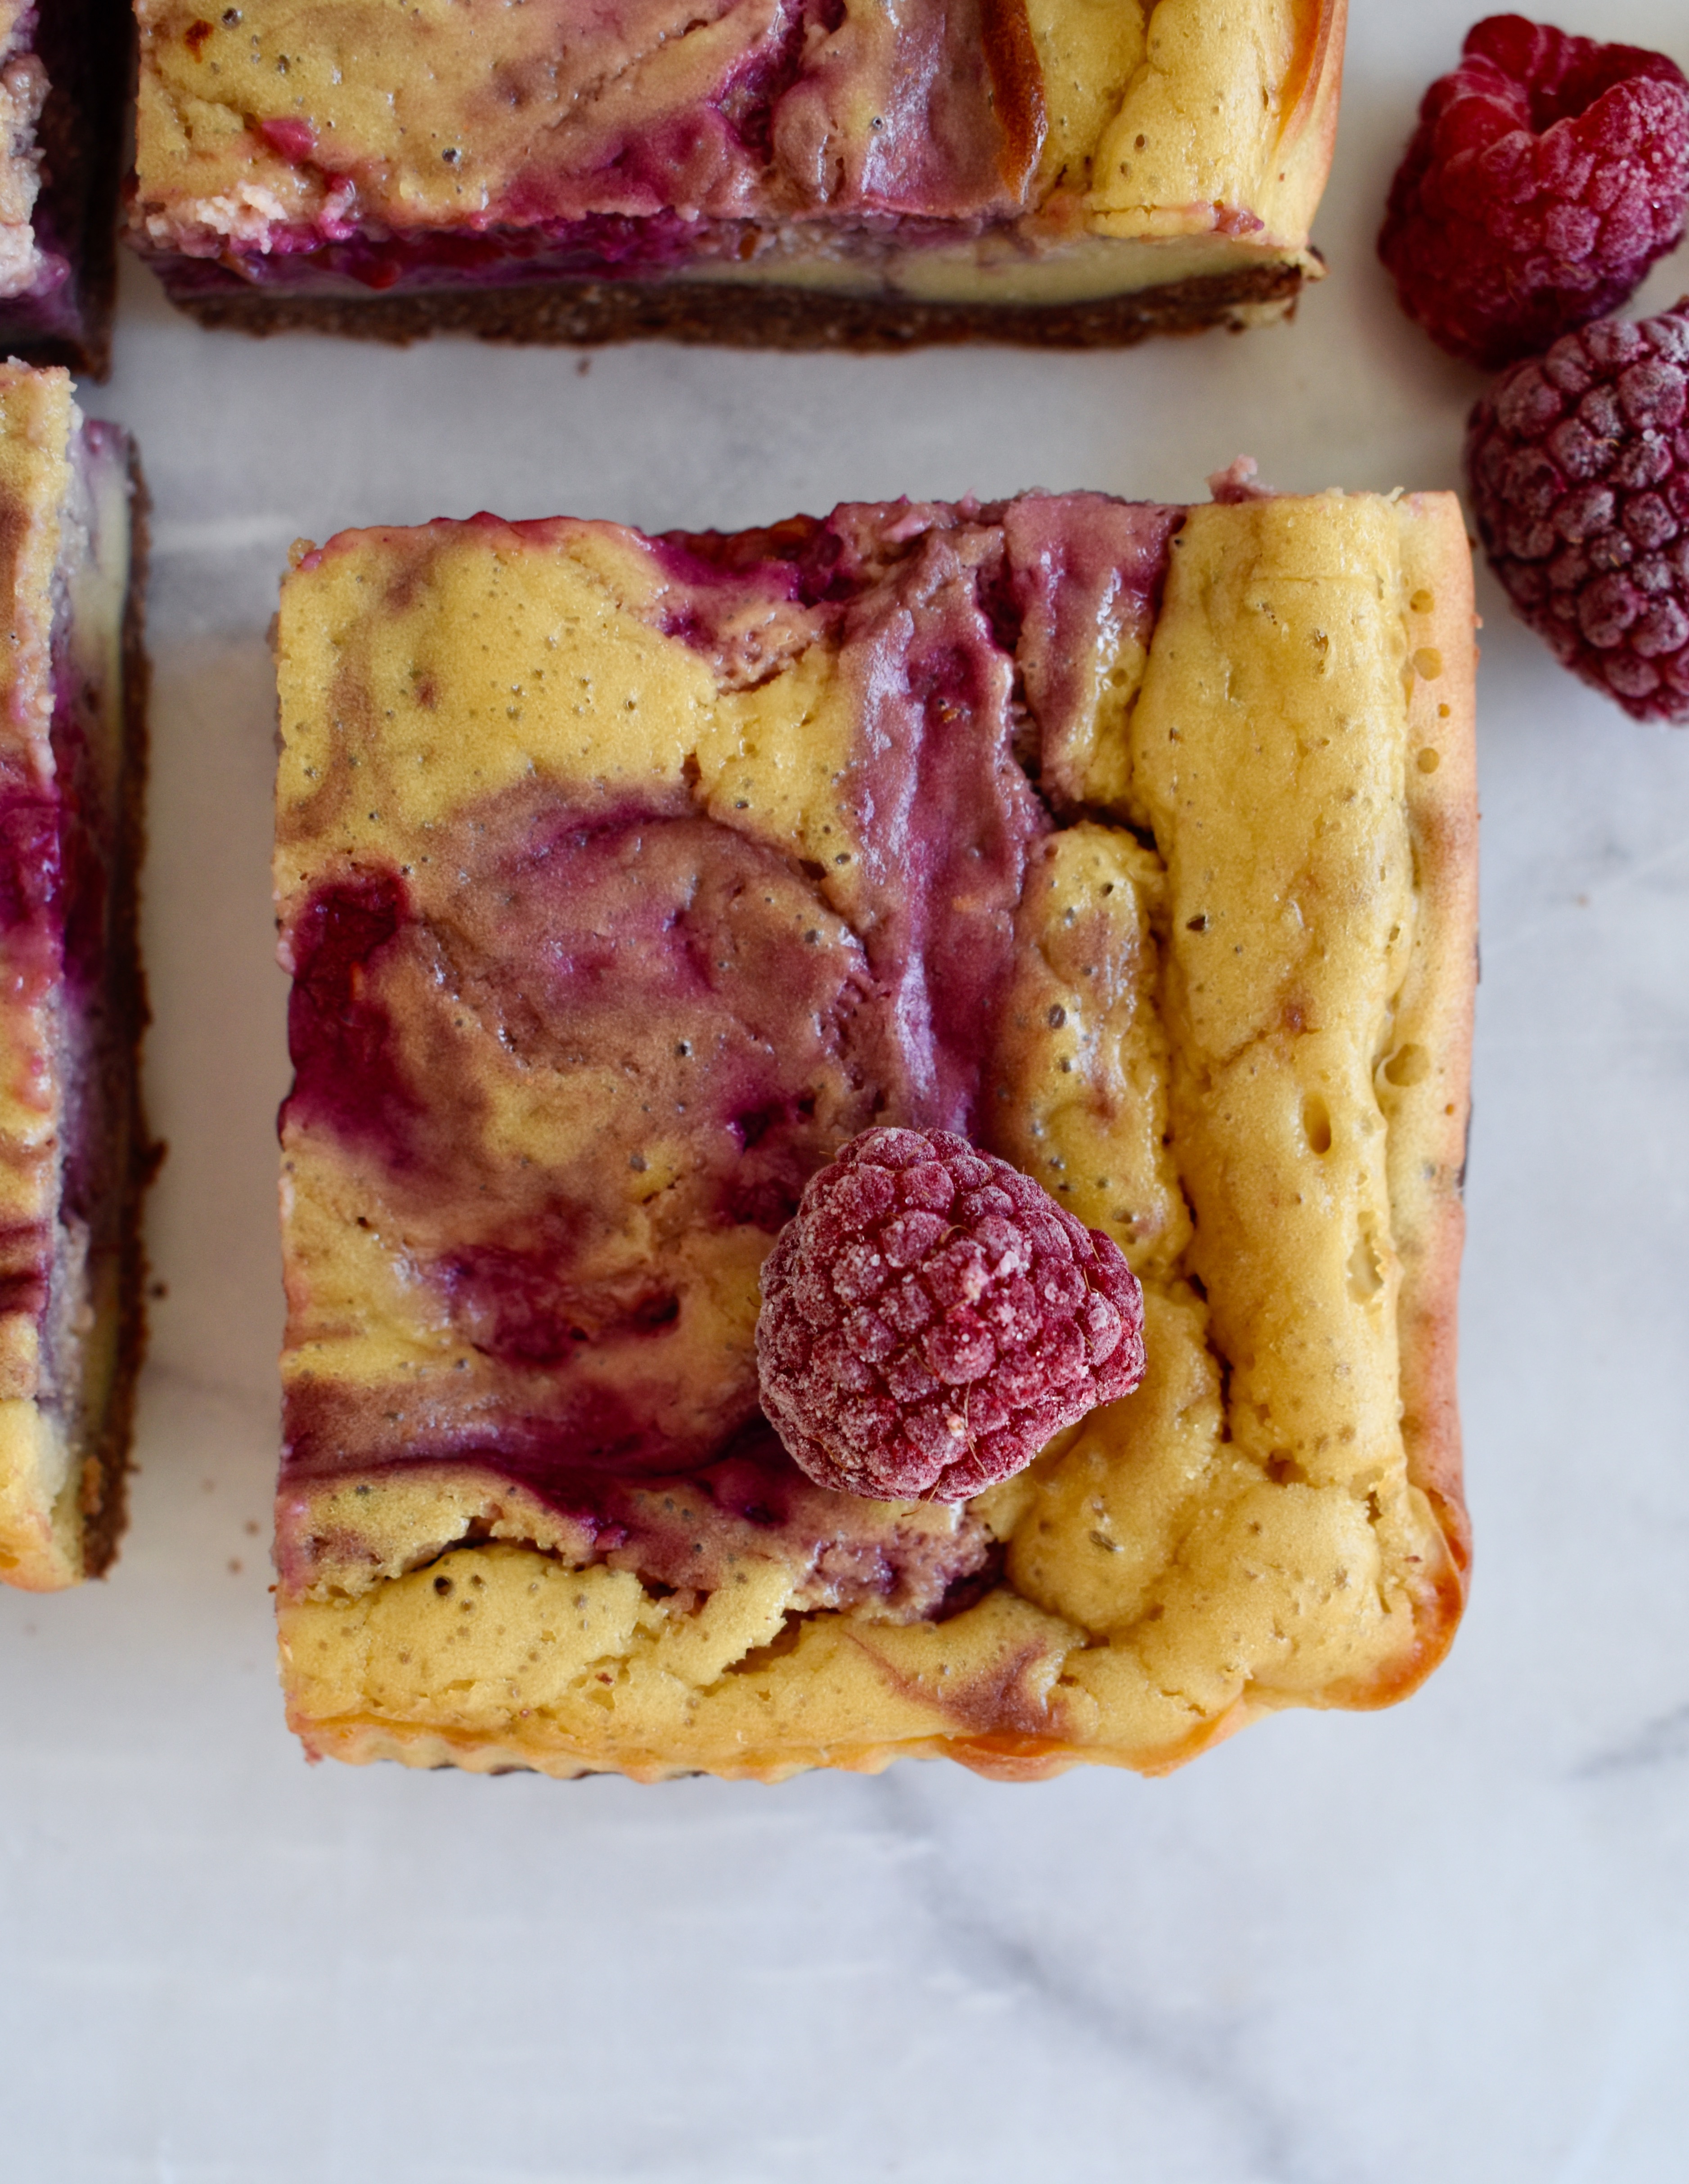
(742, 317)
(104, 1500)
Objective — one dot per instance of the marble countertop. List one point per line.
(1448, 1940)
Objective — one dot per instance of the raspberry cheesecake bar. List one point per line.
(64, 75)
(798, 173)
(624, 881)
(74, 1155)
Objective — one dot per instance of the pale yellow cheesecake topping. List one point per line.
(1045, 130)
(1234, 1034)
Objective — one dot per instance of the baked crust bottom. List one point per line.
(745, 315)
(105, 1474)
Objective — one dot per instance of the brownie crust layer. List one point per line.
(105, 1494)
(741, 315)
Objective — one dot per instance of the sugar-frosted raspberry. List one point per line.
(931, 1317)
(1547, 175)
(1579, 464)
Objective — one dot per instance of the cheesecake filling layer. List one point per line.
(647, 133)
(61, 838)
(567, 1048)
(1014, 150)
(1013, 264)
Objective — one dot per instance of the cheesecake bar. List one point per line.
(624, 880)
(64, 75)
(74, 1153)
(801, 174)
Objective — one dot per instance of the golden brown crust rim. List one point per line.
(1443, 816)
(1310, 89)
(1443, 807)
(1430, 1136)
(362, 1741)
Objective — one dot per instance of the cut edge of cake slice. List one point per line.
(75, 1152)
(1166, 170)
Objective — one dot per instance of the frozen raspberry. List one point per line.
(1547, 175)
(931, 1317)
(1579, 470)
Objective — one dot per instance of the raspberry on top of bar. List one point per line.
(624, 880)
(947, 152)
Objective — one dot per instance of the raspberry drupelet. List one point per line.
(1547, 175)
(931, 1317)
(1579, 463)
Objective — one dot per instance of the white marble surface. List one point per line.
(1448, 1941)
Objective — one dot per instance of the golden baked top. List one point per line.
(288, 126)
(621, 878)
